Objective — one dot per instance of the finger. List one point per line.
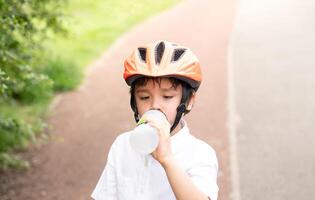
(163, 131)
(156, 122)
(163, 121)
(160, 123)
(154, 125)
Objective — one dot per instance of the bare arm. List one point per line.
(182, 186)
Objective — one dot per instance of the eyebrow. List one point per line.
(163, 89)
(141, 90)
(168, 89)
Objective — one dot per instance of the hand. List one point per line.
(163, 151)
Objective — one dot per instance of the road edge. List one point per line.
(232, 113)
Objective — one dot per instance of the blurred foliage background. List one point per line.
(45, 46)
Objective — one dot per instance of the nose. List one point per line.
(156, 105)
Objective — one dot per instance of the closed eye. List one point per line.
(144, 98)
(168, 97)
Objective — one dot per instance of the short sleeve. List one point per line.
(106, 186)
(204, 171)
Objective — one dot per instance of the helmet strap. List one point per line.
(136, 116)
(180, 110)
(134, 108)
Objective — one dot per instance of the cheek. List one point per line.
(142, 107)
(171, 111)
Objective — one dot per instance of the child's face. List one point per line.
(159, 96)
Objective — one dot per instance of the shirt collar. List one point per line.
(179, 140)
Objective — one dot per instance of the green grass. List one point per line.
(92, 27)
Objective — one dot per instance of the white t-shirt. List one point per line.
(131, 176)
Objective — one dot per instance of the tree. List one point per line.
(23, 25)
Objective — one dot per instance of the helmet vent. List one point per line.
(177, 54)
(142, 53)
(159, 50)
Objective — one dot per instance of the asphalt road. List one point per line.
(85, 122)
(273, 58)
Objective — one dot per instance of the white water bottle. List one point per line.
(144, 139)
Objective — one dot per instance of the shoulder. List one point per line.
(199, 147)
(203, 151)
(123, 137)
(121, 142)
(203, 146)
(122, 154)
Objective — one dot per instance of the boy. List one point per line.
(162, 76)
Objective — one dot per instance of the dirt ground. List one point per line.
(85, 122)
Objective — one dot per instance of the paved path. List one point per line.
(85, 122)
(274, 60)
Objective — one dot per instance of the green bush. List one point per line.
(9, 161)
(24, 25)
(16, 133)
(28, 86)
(65, 74)
(4, 80)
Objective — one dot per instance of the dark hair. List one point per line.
(188, 91)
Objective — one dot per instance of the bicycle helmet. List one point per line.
(163, 59)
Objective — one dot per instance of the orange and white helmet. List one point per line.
(163, 59)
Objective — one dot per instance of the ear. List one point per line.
(191, 102)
